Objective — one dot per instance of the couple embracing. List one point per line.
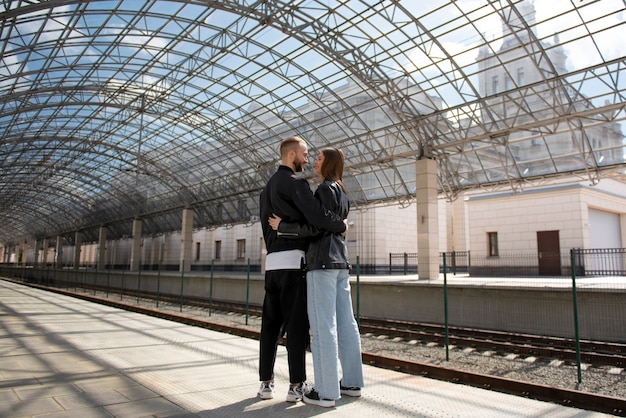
(307, 276)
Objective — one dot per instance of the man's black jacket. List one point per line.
(291, 198)
(327, 250)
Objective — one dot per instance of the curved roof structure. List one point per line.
(123, 109)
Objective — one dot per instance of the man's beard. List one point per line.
(299, 166)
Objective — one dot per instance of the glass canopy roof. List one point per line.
(117, 110)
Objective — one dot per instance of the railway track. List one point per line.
(550, 348)
(600, 353)
(592, 353)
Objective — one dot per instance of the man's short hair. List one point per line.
(290, 143)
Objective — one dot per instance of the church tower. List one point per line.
(523, 59)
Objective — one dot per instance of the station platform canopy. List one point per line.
(123, 109)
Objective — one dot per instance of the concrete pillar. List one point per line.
(135, 250)
(155, 246)
(186, 240)
(78, 242)
(102, 247)
(58, 261)
(44, 256)
(427, 219)
(24, 253)
(37, 254)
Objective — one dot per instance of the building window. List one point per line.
(494, 82)
(241, 249)
(521, 78)
(218, 250)
(492, 238)
(197, 251)
(507, 82)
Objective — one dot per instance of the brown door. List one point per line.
(549, 252)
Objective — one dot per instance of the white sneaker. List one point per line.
(296, 391)
(267, 390)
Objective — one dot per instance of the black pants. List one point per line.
(284, 311)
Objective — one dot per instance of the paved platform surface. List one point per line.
(65, 357)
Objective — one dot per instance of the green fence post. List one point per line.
(358, 291)
(122, 289)
(578, 361)
(445, 306)
(138, 283)
(182, 281)
(211, 287)
(406, 264)
(247, 290)
(158, 284)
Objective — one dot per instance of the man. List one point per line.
(284, 306)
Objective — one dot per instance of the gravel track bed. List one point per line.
(605, 381)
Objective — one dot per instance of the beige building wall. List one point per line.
(458, 236)
(362, 239)
(517, 218)
(378, 231)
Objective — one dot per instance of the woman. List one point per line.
(329, 304)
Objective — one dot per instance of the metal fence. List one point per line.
(405, 263)
(601, 262)
(587, 262)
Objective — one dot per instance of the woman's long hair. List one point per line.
(332, 166)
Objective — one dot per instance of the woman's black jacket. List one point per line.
(290, 197)
(326, 250)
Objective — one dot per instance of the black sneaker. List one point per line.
(354, 391)
(313, 398)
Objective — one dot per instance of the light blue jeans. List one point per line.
(336, 341)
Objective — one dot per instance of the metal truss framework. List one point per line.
(117, 110)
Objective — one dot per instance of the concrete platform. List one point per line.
(64, 357)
